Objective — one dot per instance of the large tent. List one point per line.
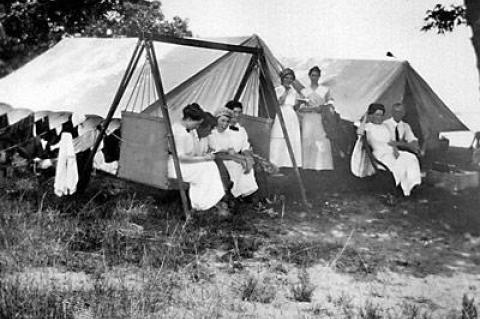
(81, 75)
(357, 83)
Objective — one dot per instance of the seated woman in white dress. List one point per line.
(288, 100)
(403, 165)
(223, 142)
(200, 171)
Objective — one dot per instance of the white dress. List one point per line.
(405, 168)
(206, 188)
(243, 184)
(317, 150)
(278, 147)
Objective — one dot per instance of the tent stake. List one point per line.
(273, 97)
(171, 140)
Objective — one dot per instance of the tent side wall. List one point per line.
(144, 150)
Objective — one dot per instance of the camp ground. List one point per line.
(212, 71)
(118, 98)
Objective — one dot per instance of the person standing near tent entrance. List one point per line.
(288, 101)
(317, 150)
(206, 188)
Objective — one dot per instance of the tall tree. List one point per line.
(445, 19)
(29, 27)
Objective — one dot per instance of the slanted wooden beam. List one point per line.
(163, 106)
(132, 64)
(246, 76)
(270, 94)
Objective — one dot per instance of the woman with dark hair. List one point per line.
(288, 99)
(403, 165)
(317, 150)
(199, 170)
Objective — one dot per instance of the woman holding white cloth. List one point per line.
(288, 100)
(317, 149)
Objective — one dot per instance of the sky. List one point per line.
(349, 29)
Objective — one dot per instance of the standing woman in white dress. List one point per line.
(199, 170)
(288, 101)
(317, 150)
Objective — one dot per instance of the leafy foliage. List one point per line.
(29, 27)
(444, 19)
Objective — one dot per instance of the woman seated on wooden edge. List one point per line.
(223, 144)
(199, 170)
(403, 165)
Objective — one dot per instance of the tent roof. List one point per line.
(82, 74)
(219, 81)
(357, 83)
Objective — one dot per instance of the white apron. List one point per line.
(278, 147)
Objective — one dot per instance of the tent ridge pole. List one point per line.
(203, 44)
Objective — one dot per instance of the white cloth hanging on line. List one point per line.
(66, 175)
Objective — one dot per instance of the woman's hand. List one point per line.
(361, 130)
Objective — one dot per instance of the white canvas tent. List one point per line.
(81, 75)
(357, 83)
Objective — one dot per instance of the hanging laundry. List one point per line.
(66, 175)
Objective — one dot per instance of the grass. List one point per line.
(257, 290)
(302, 290)
(120, 251)
(19, 299)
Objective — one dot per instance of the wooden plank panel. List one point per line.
(144, 150)
(258, 129)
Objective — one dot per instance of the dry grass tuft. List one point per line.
(256, 290)
(302, 291)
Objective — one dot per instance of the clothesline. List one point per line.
(23, 142)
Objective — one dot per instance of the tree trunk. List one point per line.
(473, 20)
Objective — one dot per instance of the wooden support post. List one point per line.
(132, 64)
(243, 82)
(270, 94)
(163, 106)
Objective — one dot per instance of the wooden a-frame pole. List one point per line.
(132, 64)
(273, 97)
(246, 76)
(166, 116)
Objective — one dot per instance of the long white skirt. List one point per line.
(278, 147)
(243, 184)
(317, 150)
(206, 188)
(405, 170)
